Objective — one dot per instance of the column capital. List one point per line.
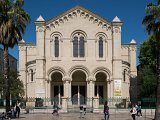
(91, 78)
(66, 78)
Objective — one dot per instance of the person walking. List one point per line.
(55, 108)
(84, 109)
(106, 111)
(18, 109)
(139, 110)
(81, 110)
(3, 116)
(133, 112)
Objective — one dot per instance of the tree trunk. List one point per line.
(6, 77)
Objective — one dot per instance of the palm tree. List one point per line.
(13, 21)
(152, 23)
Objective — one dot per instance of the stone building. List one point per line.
(78, 55)
(12, 62)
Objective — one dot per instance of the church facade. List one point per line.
(78, 55)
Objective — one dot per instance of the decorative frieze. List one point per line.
(81, 12)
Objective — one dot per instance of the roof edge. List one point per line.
(74, 8)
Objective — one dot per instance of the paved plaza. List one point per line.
(76, 116)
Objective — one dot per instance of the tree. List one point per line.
(16, 85)
(13, 21)
(152, 23)
(147, 67)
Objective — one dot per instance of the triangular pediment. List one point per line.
(78, 11)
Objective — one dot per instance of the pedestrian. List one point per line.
(3, 116)
(84, 109)
(139, 110)
(18, 109)
(13, 113)
(81, 110)
(106, 111)
(14, 110)
(55, 108)
(133, 112)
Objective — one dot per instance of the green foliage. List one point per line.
(147, 70)
(148, 53)
(152, 23)
(13, 21)
(148, 81)
(15, 85)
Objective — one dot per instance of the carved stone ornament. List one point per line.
(82, 12)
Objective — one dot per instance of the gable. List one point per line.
(78, 11)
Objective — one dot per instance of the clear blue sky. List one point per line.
(130, 12)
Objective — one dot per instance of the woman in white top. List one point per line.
(134, 112)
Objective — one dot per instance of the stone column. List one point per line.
(64, 104)
(67, 88)
(48, 91)
(110, 92)
(96, 102)
(90, 90)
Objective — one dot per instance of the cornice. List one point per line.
(65, 16)
(77, 7)
(31, 62)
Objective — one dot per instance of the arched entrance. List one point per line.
(78, 88)
(57, 89)
(101, 87)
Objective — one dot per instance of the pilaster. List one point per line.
(22, 64)
(40, 59)
(132, 57)
(116, 47)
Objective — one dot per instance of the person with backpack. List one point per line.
(106, 111)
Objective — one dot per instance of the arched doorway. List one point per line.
(78, 88)
(101, 87)
(57, 89)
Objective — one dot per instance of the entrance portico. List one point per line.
(79, 88)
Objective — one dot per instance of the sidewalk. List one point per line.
(76, 116)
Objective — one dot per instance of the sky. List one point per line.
(130, 12)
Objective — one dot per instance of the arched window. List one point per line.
(78, 45)
(75, 46)
(56, 44)
(81, 47)
(100, 47)
(31, 71)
